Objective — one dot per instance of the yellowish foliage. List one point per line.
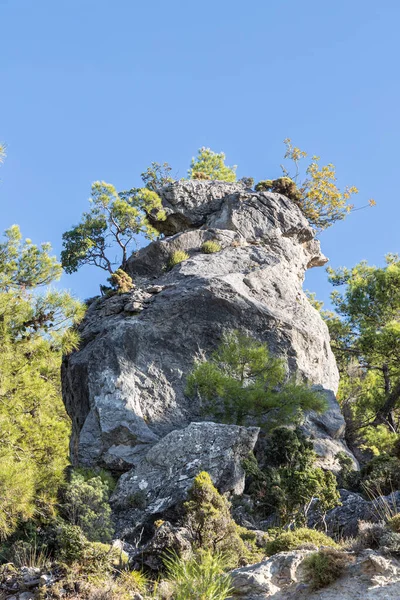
(321, 200)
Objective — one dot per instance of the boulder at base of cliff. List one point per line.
(368, 576)
(161, 479)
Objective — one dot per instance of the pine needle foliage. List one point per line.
(242, 379)
(208, 517)
(35, 328)
(365, 338)
(211, 165)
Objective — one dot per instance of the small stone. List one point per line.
(154, 289)
(133, 307)
(26, 596)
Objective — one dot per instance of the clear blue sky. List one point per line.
(94, 89)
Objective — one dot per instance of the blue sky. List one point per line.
(94, 89)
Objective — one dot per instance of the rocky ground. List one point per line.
(368, 576)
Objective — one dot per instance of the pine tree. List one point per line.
(34, 331)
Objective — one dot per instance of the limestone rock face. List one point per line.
(162, 477)
(125, 388)
(369, 576)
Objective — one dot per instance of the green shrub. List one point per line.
(176, 257)
(291, 540)
(283, 185)
(199, 578)
(347, 477)
(70, 543)
(121, 281)
(243, 379)
(209, 520)
(379, 440)
(210, 247)
(247, 182)
(394, 523)
(157, 175)
(27, 554)
(381, 475)
(326, 566)
(137, 500)
(288, 484)
(100, 558)
(133, 581)
(86, 505)
(211, 165)
(379, 535)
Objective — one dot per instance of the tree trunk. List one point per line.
(385, 416)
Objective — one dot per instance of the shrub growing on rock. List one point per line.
(242, 379)
(394, 523)
(176, 257)
(282, 185)
(121, 281)
(157, 175)
(210, 247)
(211, 165)
(289, 482)
(347, 477)
(318, 195)
(298, 538)
(381, 475)
(210, 522)
(326, 566)
(134, 581)
(378, 536)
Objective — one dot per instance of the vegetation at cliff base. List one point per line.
(287, 481)
(34, 331)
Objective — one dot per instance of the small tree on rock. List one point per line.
(209, 519)
(114, 221)
(211, 165)
(242, 379)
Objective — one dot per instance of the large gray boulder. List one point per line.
(368, 576)
(160, 479)
(125, 388)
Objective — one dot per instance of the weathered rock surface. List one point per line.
(125, 388)
(161, 479)
(167, 538)
(345, 518)
(368, 576)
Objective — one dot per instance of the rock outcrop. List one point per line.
(162, 477)
(344, 520)
(369, 576)
(125, 388)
